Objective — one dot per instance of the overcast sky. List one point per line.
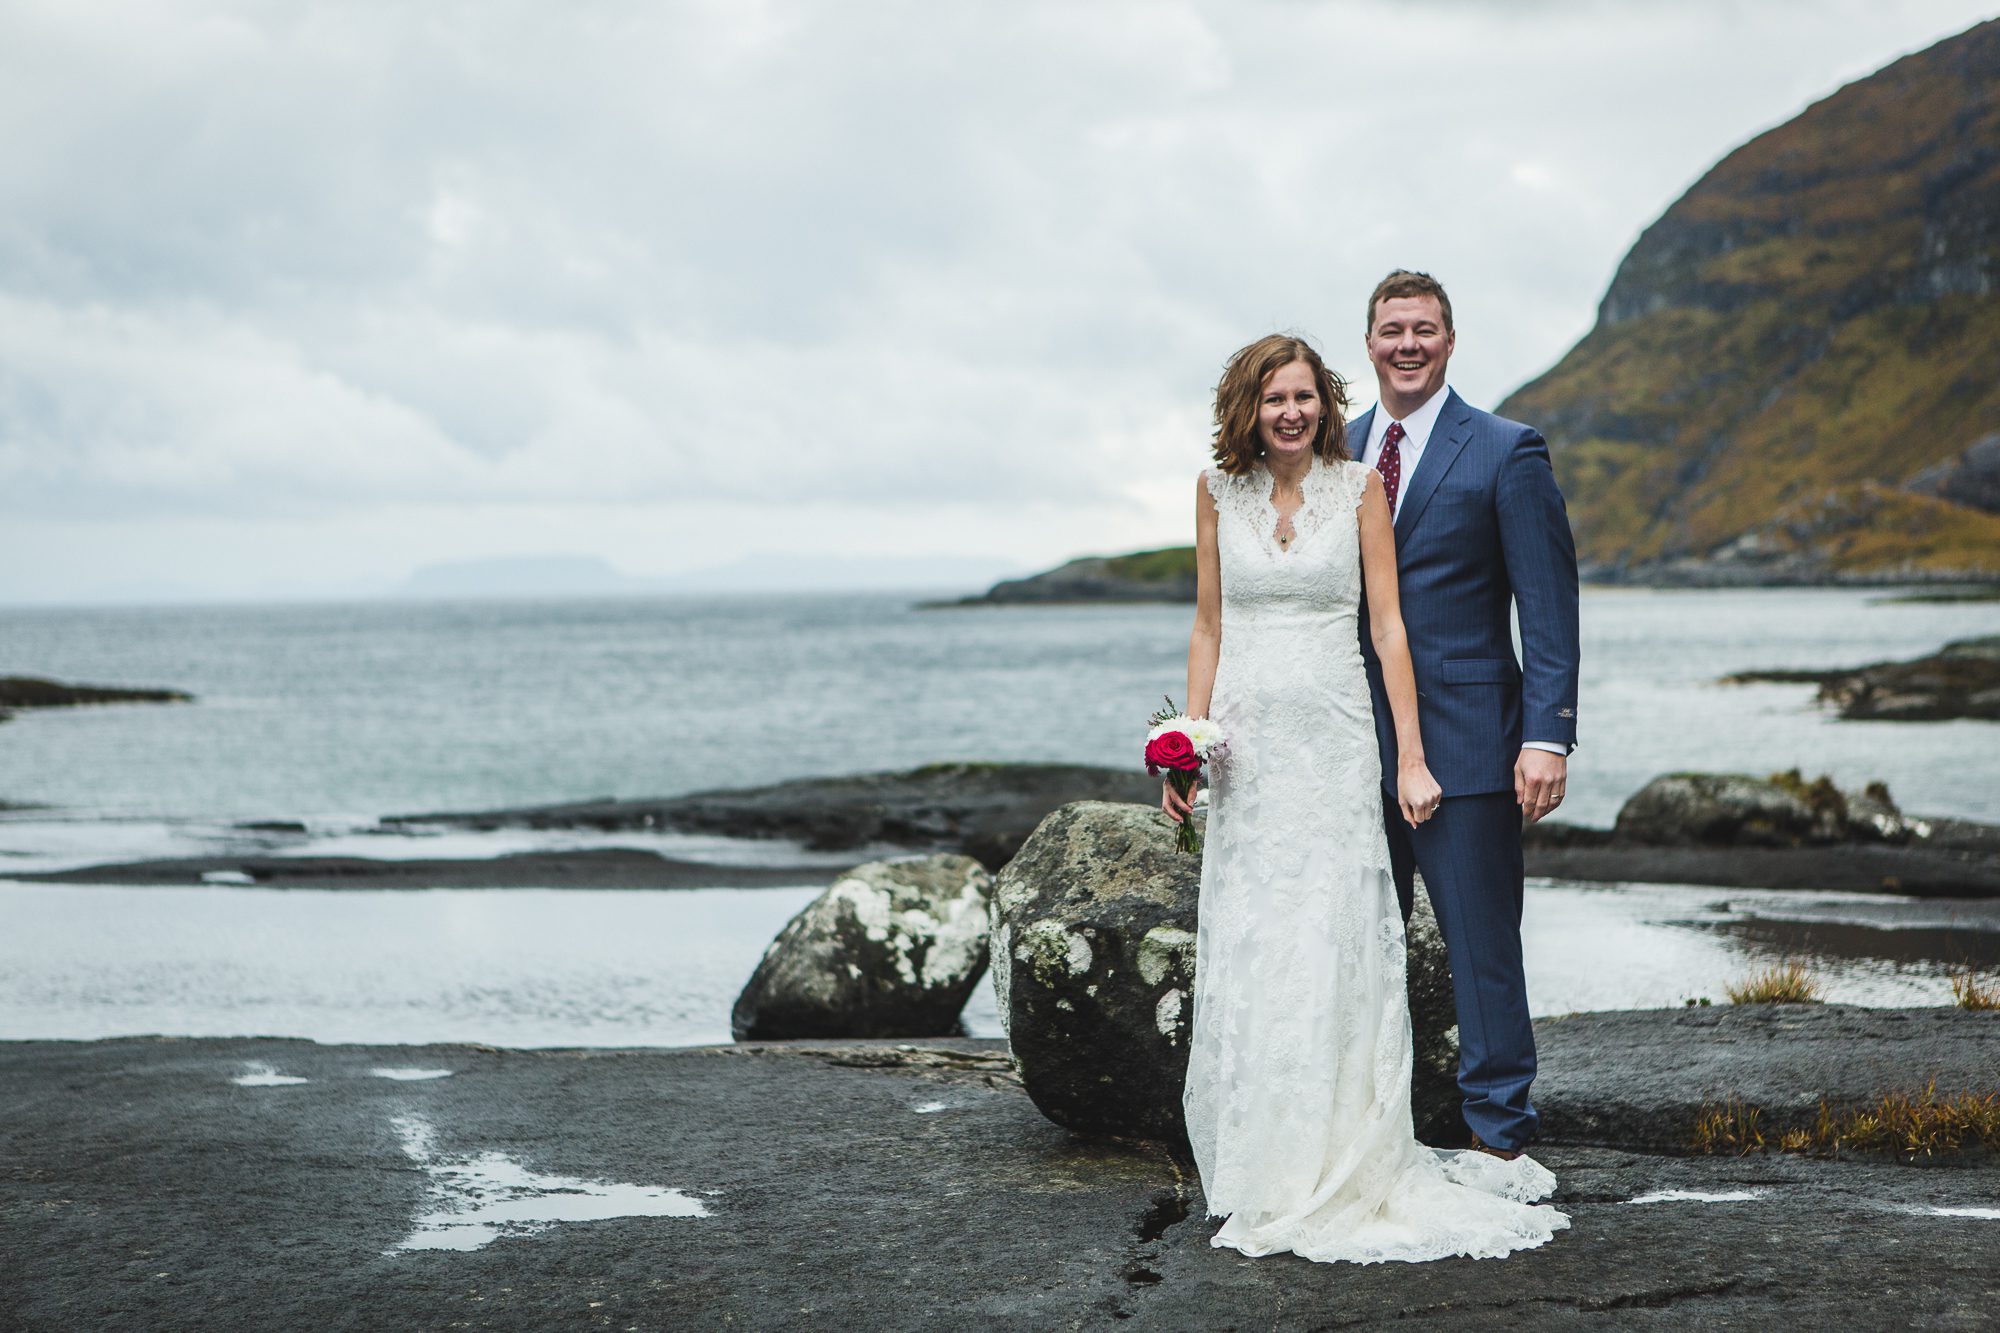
(296, 297)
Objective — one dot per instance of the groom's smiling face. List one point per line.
(1409, 345)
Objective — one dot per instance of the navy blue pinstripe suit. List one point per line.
(1481, 531)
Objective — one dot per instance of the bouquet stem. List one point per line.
(1185, 838)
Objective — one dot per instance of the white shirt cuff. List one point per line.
(1551, 746)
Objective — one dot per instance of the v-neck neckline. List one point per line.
(1278, 516)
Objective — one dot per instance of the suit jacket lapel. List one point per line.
(1448, 440)
(1357, 435)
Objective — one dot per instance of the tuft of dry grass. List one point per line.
(1786, 983)
(1969, 992)
(1920, 1124)
(1729, 1127)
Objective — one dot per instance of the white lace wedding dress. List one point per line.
(1298, 1085)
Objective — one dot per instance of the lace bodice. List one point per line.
(1320, 574)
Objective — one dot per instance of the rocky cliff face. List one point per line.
(1796, 371)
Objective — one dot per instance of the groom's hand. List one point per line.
(1539, 778)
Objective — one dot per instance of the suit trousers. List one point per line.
(1469, 854)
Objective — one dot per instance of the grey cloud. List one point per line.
(308, 258)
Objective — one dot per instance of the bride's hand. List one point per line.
(1171, 801)
(1418, 793)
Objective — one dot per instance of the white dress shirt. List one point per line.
(1417, 428)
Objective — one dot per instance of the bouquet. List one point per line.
(1179, 745)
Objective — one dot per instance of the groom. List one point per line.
(1480, 532)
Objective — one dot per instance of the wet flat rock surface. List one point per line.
(1640, 1078)
(876, 1186)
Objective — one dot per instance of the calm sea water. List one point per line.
(609, 968)
(339, 714)
(354, 711)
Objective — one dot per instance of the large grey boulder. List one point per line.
(892, 949)
(1435, 1100)
(1094, 928)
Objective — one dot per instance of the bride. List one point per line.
(1298, 1083)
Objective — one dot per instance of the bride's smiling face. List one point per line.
(1288, 411)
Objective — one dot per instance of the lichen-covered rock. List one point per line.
(1717, 808)
(1094, 928)
(1435, 1100)
(1736, 810)
(892, 949)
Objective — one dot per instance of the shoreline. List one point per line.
(595, 868)
(1960, 862)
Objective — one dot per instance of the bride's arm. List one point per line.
(1205, 642)
(1416, 790)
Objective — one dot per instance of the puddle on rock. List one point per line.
(476, 1200)
(1700, 1196)
(263, 1076)
(411, 1075)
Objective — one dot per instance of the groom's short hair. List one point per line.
(1408, 282)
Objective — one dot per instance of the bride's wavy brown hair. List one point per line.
(1237, 446)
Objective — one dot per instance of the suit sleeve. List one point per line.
(1540, 553)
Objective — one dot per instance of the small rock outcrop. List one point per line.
(981, 810)
(1165, 575)
(1960, 680)
(1094, 930)
(1780, 832)
(1736, 810)
(892, 949)
(17, 692)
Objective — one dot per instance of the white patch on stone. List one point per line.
(1162, 948)
(474, 1201)
(263, 1076)
(1987, 1214)
(411, 1075)
(1003, 975)
(1700, 1196)
(951, 943)
(957, 940)
(928, 1108)
(1167, 1015)
(1079, 956)
(227, 877)
(1047, 948)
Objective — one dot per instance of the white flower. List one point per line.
(1204, 735)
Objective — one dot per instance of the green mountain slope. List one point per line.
(1794, 370)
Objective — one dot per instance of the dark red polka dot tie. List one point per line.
(1390, 464)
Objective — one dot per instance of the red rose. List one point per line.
(1171, 749)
